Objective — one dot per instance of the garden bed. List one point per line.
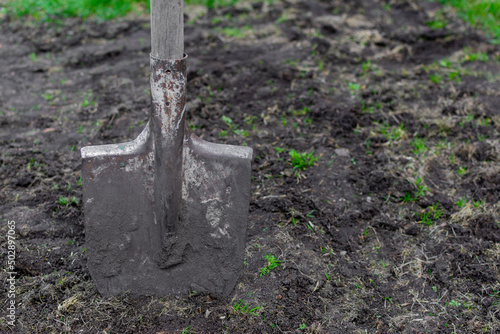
(394, 229)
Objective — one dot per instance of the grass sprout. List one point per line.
(272, 263)
(302, 160)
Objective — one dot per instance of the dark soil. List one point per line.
(395, 229)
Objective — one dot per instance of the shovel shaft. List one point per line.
(168, 93)
(167, 29)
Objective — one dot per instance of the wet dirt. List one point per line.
(396, 227)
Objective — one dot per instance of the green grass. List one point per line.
(418, 193)
(48, 10)
(461, 202)
(432, 213)
(242, 307)
(391, 133)
(186, 330)
(272, 263)
(484, 14)
(302, 160)
(353, 87)
(66, 201)
(235, 32)
(418, 146)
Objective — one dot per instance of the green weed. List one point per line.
(48, 96)
(235, 32)
(50, 10)
(230, 124)
(418, 146)
(484, 121)
(446, 63)
(353, 87)
(321, 64)
(437, 24)
(307, 121)
(368, 143)
(407, 197)
(279, 149)
(418, 193)
(88, 101)
(473, 56)
(392, 133)
(302, 160)
(250, 119)
(366, 65)
(444, 144)
(454, 303)
(468, 118)
(66, 201)
(300, 112)
(32, 163)
(370, 109)
(484, 14)
(272, 263)
(187, 331)
(436, 78)
(421, 188)
(477, 204)
(242, 307)
(454, 75)
(461, 202)
(283, 17)
(241, 132)
(462, 171)
(291, 62)
(431, 214)
(283, 120)
(482, 137)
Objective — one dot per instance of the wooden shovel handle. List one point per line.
(167, 29)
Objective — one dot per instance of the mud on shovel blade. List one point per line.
(167, 212)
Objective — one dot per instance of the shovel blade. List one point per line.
(123, 242)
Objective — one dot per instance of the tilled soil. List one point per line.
(396, 227)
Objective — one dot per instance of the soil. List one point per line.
(394, 229)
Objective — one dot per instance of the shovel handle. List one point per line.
(167, 29)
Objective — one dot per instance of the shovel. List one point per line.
(167, 212)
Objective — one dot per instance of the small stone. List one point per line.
(342, 152)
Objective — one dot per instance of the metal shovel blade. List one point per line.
(166, 213)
